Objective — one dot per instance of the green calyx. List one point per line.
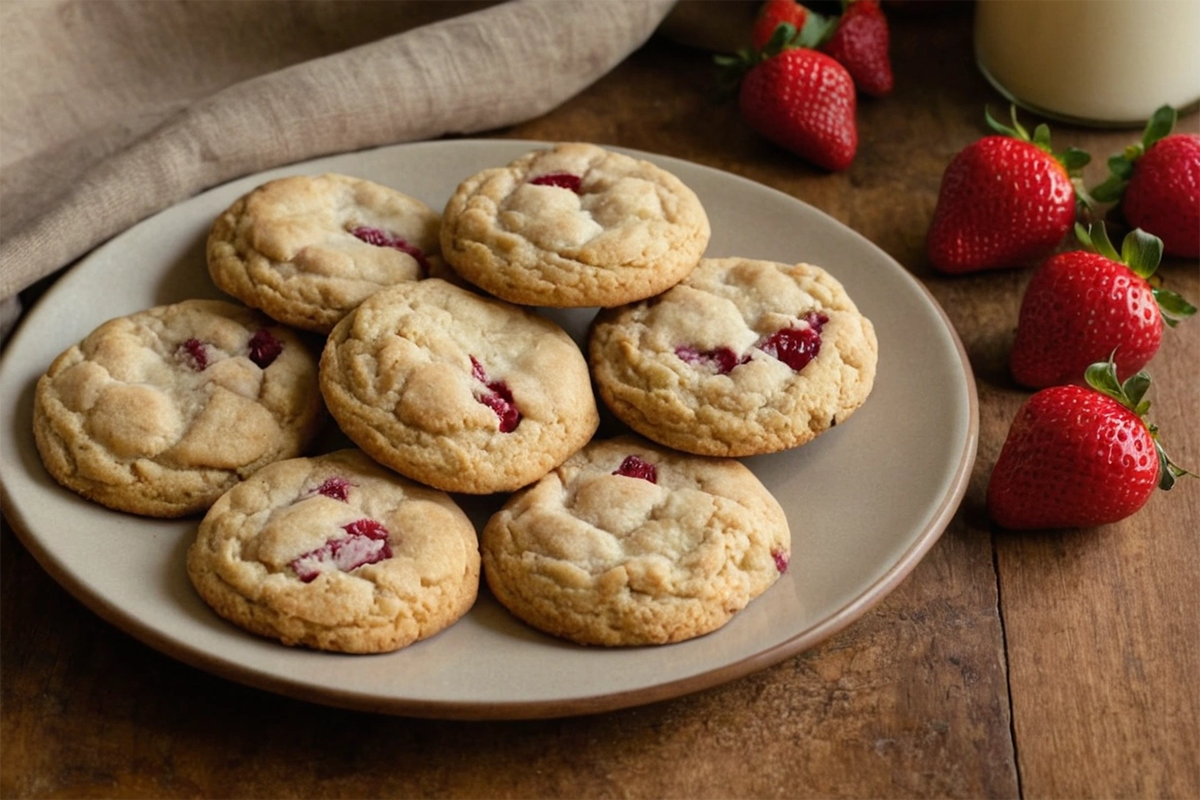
(732, 67)
(1073, 159)
(1120, 166)
(1142, 253)
(1102, 376)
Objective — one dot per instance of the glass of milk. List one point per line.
(1107, 63)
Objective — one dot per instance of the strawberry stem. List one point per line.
(1175, 309)
(1160, 125)
(1120, 167)
(1142, 253)
(733, 67)
(1073, 159)
(1102, 376)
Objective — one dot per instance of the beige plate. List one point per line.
(866, 501)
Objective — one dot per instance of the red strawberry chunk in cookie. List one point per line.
(796, 346)
(563, 180)
(264, 348)
(195, 354)
(781, 560)
(380, 238)
(499, 398)
(366, 544)
(721, 359)
(635, 467)
(337, 488)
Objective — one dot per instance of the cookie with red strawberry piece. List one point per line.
(306, 249)
(159, 412)
(628, 543)
(1080, 456)
(462, 392)
(574, 225)
(1004, 201)
(743, 357)
(860, 41)
(1157, 183)
(336, 553)
(799, 98)
(1083, 305)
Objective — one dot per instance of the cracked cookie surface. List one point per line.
(743, 357)
(574, 226)
(307, 249)
(461, 392)
(630, 543)
(160, 412)
(337, 553)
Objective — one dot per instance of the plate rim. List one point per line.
(848, 613)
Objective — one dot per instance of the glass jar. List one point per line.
(1107, 63)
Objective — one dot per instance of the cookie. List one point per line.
(336, 553)
(629, 543)
(574, 226)
(307, 249)
(743, 357)
(160, 412)
(461, 392)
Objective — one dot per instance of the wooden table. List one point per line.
(1060, 664)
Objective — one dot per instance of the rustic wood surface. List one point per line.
(1058, 664)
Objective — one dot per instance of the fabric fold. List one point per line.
(479, 71)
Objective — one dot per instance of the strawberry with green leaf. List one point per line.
(799, 98)
(1082, 305)
(1080, 456)
(771, 15)
(860, 41)
(1157, 183)
(1005, 201)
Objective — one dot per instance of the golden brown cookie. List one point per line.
(743, 357)
(629, 543)
(307, 249)
(160, 412)
(336, 553)
(461, 392)
(573, 226)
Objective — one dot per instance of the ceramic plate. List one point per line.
(865, 501)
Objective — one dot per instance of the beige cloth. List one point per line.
(111, 110)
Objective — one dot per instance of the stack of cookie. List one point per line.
(438, 366)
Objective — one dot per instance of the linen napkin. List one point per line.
(116, 109)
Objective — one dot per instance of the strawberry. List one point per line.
(1082, 305)
(1005, 201)
(1079, 456)
(860, 42)
(771, 14)
(797, 97)
(1157, 182)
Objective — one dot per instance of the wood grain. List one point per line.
(1045, 665)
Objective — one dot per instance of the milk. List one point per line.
(1099, 62)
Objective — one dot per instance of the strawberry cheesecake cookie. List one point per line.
(461, 392)
(628, 543)
(336, 553)
(573, 226)
(743, 357)
(307, 249)
(160, 412)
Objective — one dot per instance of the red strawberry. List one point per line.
(1005, 201)
(771, 14)
(1157, 181)
(1079, 456)
(1083, 305)
(860, 42)
(799, 98)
